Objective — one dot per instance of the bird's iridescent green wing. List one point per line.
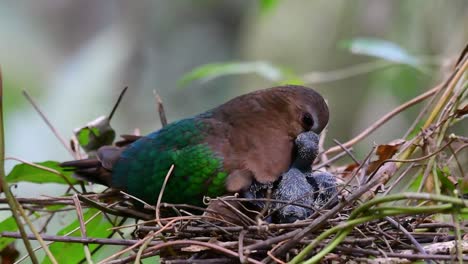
(142, 167)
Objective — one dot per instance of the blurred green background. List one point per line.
(74, 57)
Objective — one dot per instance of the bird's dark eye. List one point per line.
(307, 121)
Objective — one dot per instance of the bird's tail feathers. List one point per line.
(96, 170)
(89, 170)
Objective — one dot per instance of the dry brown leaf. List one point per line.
(350, 169)
(384, 152)
(461, 111)
(9, 254)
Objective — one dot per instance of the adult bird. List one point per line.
(249, 138)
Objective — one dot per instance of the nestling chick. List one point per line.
(300, 185)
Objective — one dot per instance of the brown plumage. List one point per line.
(263, 126)
(251, 136)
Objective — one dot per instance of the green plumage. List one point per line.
(248, 138)
(198, 169)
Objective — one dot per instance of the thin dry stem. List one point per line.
(49, 124)
(386, 118)
(160, 108)
(79, 213)
(4, 185)
(161, 193)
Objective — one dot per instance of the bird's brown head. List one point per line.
(296, 108)
(262, 127)
(292, 107)
(309, 109)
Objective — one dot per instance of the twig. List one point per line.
(6, 189)
(397, 255)
(117, 103)
(79, 213)
(137, 244)
(230, 229)
(36, 234)
(161, 193)
(457, 151)
(420, 158)
(385, 118)
(118, 211)
(203, 244)
(458, 240)
(347, 226)
(241, 246)
(345, 149)
(244, 218)
(47, 221)
(354, 70)
(394, 183)
(203, 210)
(170, 221)
(463, 66)
(298, 234)
(423, 111)
(160, 106)
(200, 261)
(143, 247)
(49, 124)
(272, 256)
(56, 200)
(384, 237)
(136, 199)
(72, 239)
(451, 83)
(427, 181)
(329, 161)
(408, 235)
(263, 200)
(344, 229)
(454, 155)
(321, 148)
(37, 248)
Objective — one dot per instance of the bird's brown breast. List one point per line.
(255, 136)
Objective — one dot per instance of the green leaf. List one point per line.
(463, 217)
(73, 252)
(55, 207)
(414, 186)
(8, 224)
(83, 136)
(27, 173)
(95, 134)
(151, 260)
(416, 130)
(443, 174)
(211, 71)
(290, 77)
(380, 49)
(267, 5)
